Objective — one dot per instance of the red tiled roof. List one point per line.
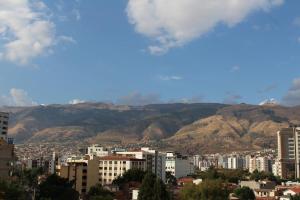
(296, 190)
(185, 180)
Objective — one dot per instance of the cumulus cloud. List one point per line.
(292, 98)
(170, 78)
(138, 99)
(16, 97)
(173, 23)
(76, 101)
(25, 30)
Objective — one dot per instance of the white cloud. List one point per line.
(170, 78)
(173, 23)
(25, 30)
(67, 39)
(292, 98)
(76, 101)
(77, 14)
(16, 97)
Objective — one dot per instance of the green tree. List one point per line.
(97, 192)
(57, 188)
(207, 190)
(136, 175)
(244, 193)
(12, 191)
(296, 197)
(153, 189)
(170, 179)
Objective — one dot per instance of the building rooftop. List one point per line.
(124, 158)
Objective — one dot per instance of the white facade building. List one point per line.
(178, 166)
(155, 161)
(235, 162)
(97, 150)
(260, 163)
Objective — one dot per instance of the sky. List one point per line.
(149, 51)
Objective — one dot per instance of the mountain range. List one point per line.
(198, 127)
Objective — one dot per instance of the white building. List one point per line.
(260, 163)
(178, 165)
(97, 150)
(155, 161)
(235, 162)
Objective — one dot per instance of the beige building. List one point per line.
(110, 167)
(288, 140)
(3, 125)
(84, 172)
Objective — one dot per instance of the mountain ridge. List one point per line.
(205, 127)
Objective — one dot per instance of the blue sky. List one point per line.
(103, 51)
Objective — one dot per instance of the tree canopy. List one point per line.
(244, 193)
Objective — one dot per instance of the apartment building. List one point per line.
(6, 148)
(4, 125)
(110, 167)
(288, 140)
(259, 163)
(235, 162)
(82, 170)
(178, 165)
(6, 159)
(97, 150)
(155, 161)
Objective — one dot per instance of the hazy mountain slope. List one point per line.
(190, 127)
(84, 121)
(236, 127)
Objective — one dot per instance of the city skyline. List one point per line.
(142, 52)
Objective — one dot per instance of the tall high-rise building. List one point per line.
(6, 148)
(288, 140)
(3, 125)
